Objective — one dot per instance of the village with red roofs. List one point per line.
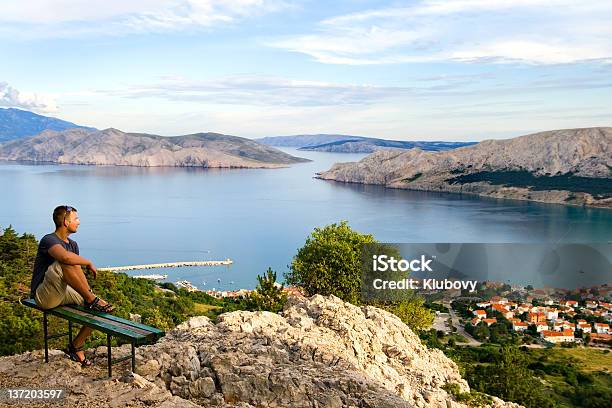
(541, 317)
(555, 321)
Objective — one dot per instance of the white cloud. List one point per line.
(428, 108)
(12, 98)
(190, 13)
(260, 90)
(274, 91)
(64, 18)
(61, 11)
(554, 52)
(356, 45)
(526, 31)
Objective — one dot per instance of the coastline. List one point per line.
(606, 206)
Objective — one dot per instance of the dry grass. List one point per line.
(203, 308)
(591, 360)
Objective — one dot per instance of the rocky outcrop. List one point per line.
(565, 162)
(319, 352)
(114, 147)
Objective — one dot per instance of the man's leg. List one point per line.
(72, 297)
(79, 340)
(74, 276)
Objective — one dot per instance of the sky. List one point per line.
(404, 70)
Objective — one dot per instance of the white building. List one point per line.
(519, 326)
(552, 314)
(552, 336)
(481, 314)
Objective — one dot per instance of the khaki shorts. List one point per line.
(54, 291)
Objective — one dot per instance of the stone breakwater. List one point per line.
(319, 352)
(166, 265)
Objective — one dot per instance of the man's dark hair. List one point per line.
(60, 213)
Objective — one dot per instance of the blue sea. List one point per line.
(260, 217)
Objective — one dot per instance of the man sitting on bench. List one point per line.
(58, 278)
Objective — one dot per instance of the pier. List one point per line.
(151, 277)
(166, 265)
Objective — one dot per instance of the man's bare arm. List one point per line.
(66, 257)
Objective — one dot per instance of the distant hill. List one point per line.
(354, 144)
(114, 147)
(305, 140)
(570, 166)
(17, 123)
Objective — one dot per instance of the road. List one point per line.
(472, 342)
(441, 322)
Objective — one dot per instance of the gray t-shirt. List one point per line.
(44, 260)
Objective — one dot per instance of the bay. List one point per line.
(260, 217)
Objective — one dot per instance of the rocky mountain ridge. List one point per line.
(18, 123)
(305, 140)
(355, 144)
(319, 352)
(114, 147)
(570, 166)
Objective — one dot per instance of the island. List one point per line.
(568, 166)
(114, 147)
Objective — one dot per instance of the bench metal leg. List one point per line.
(46, 339)
(133, 357)
(69, 332)
(108, 355)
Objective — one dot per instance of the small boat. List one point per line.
(185, 284)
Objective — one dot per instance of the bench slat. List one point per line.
(31, 303)
(102, 326)
(109, 316)
(113, 323)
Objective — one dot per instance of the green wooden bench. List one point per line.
(135, 333)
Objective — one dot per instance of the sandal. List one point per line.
(71, 351)
(95, 305)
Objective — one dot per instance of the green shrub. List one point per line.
(472, 398)
(411, 311)
(330, 262)
(268, 295)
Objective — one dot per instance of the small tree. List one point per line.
(330, 262)
(412, 312)
(268, 295)
(482, 332)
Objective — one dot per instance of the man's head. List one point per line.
(65, 216)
